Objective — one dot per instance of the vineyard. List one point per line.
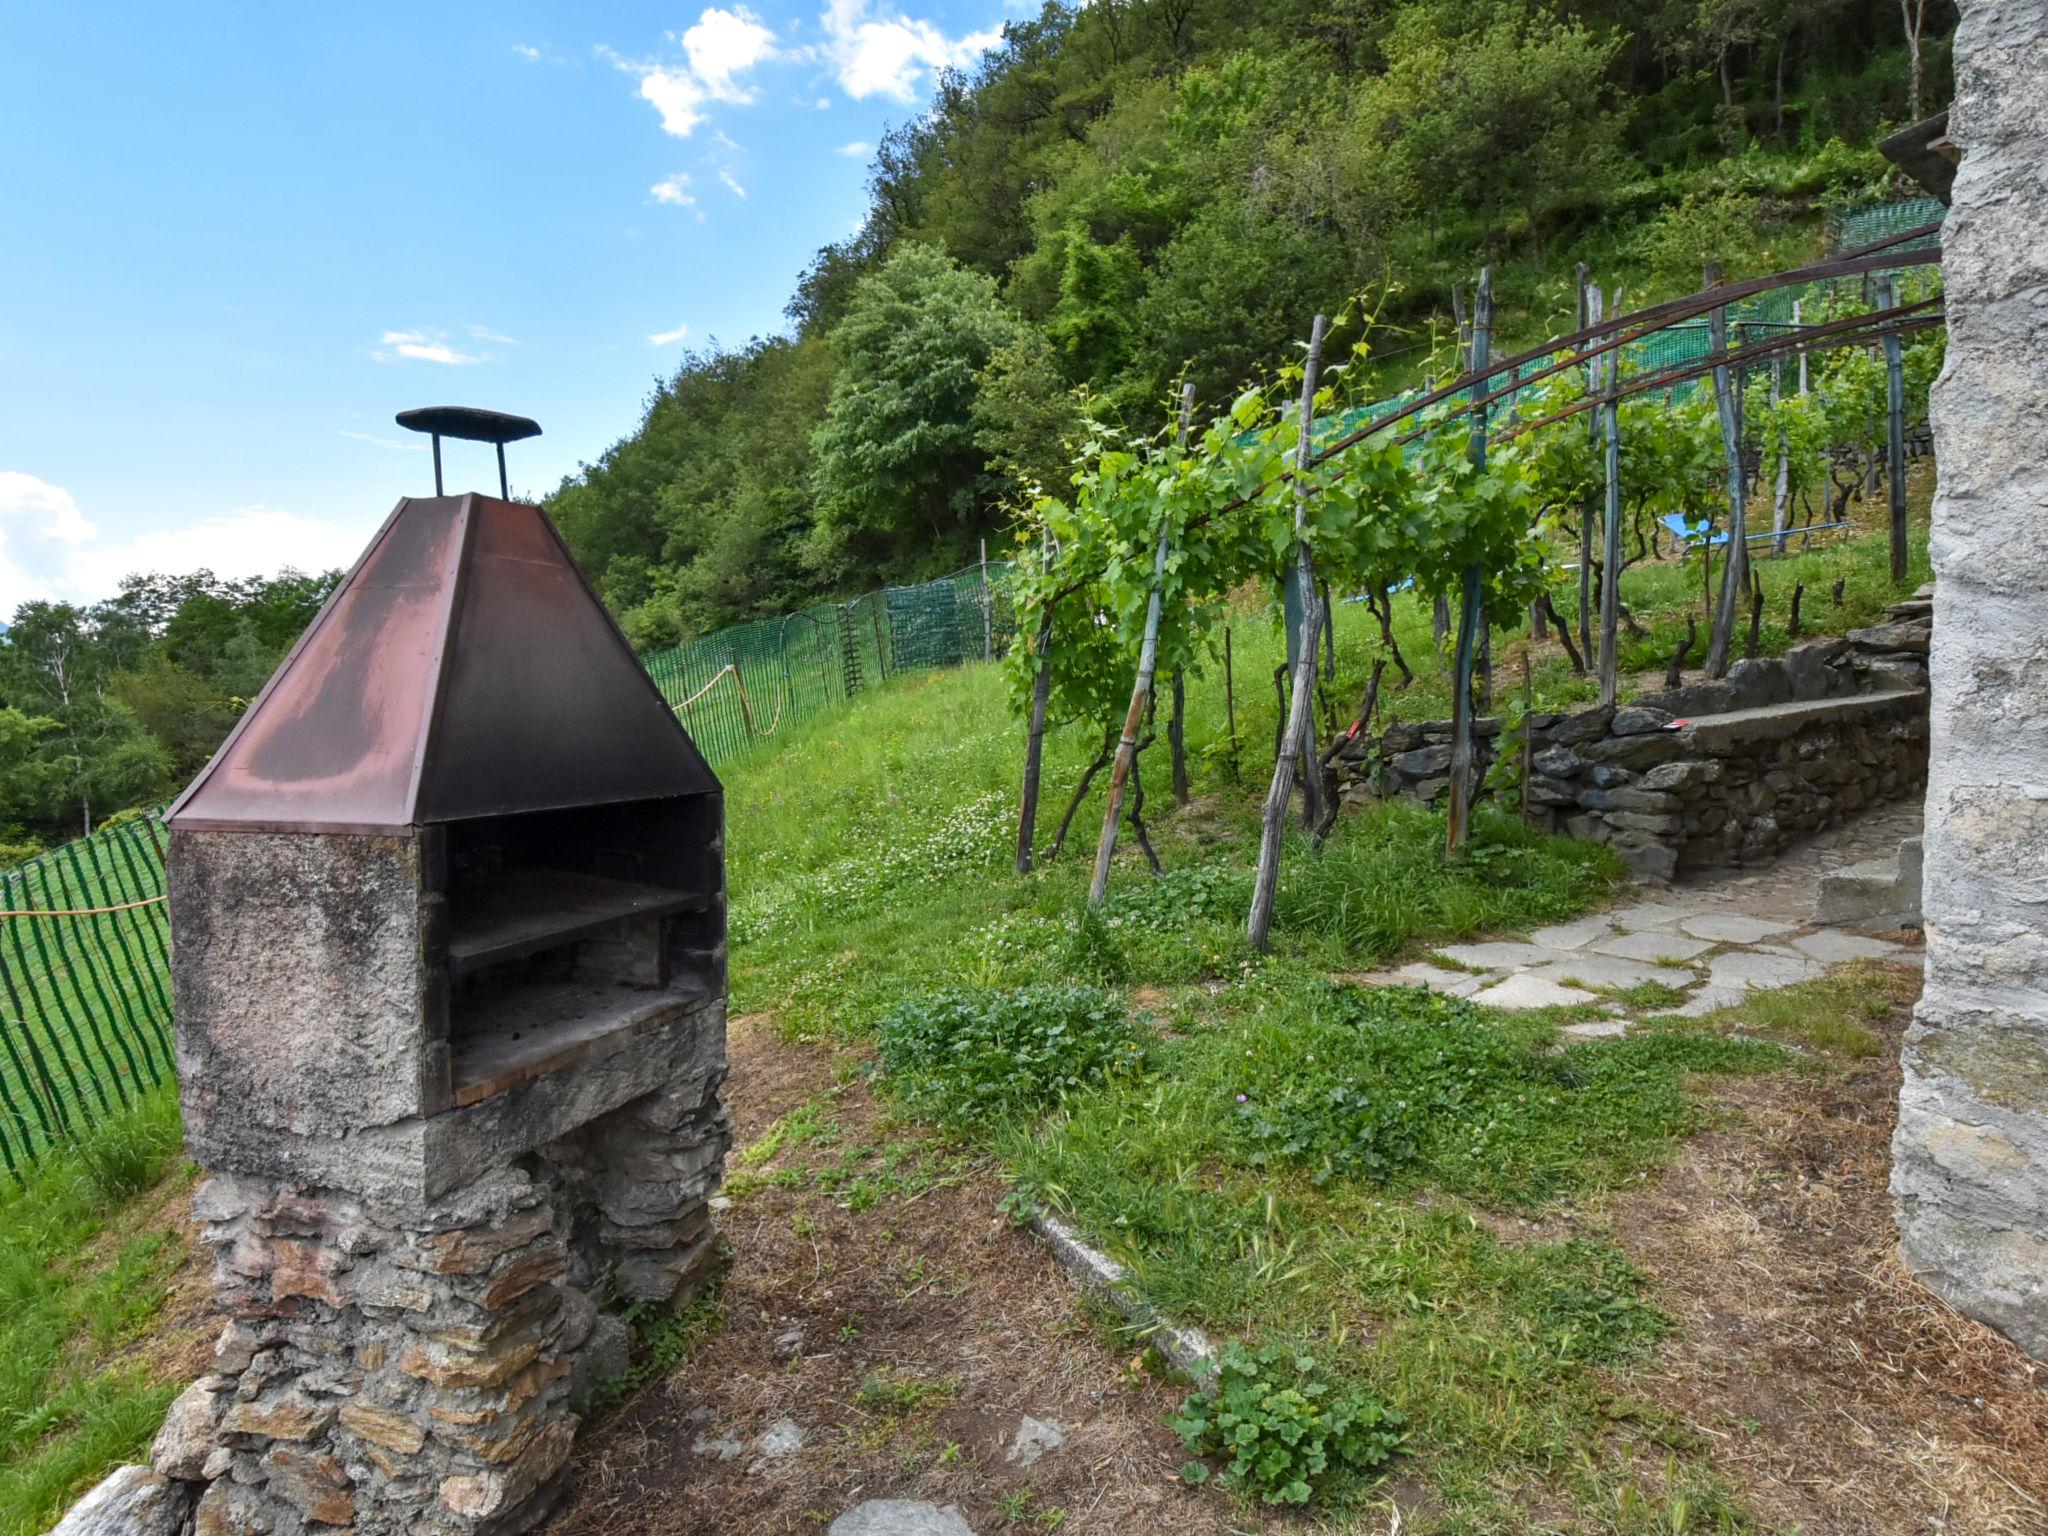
(1509, 490)
(1475, 494)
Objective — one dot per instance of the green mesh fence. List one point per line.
(87, 1024)
(735, 686)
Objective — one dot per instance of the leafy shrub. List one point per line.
(1208, 893)
(963, 1056)
(1281, 1427)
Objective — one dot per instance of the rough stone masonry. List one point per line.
(1970, 1159)
(410, 1290)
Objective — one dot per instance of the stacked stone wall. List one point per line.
(394, 1371)
(1707, 774)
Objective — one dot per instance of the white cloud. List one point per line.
(677, 96)
(422, 347)
(854, 150)
(485, 333)
(732, 184)
(527, 52)
(822, 104)
(668, 338)
(724, 45)
(889, 53)
(50, 509)
(384, 442)
(670, 190)
(249, 541)
(49, 549)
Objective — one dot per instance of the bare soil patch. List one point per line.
(907, 1338)
(1836, 1394)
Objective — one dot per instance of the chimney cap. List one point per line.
(470, 423)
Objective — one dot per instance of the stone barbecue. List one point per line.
(448, 911)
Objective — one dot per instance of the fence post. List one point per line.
(1895, 431)
(1301, 708)
(987, 619)
(1141, 688)
(1470, 609)
(1735, 567)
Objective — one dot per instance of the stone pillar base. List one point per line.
(416, 1376)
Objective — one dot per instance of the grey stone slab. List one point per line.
(1529, 990)
(1575, 935)
(1437, 978)
(1605, 1029)
(900, 1517)
(1732, 927)
(1033, 1439)
(1590, 970)
(1647, 914)
(1500, 956)
(1747, 968)
(130, 1501)
(1654, 944)
(1831, 946)
(784, 1437)
(1709, 998)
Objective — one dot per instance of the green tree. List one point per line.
(899, 481)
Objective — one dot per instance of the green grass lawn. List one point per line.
(89, 1251)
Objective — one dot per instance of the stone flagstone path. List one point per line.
(1713, 941)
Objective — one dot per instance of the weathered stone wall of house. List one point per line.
(1970, 1159)
(1710, 773)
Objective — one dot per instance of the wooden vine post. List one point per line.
(1470, 617)
(1300, 712)
(1141, 689)
(1034, 738)
(1735, 567)
(1177, 737)
(1608, 427)
(1589, 315)
(1895, 432)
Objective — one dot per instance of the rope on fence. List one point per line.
(126, 906)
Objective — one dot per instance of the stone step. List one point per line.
(1875, 890)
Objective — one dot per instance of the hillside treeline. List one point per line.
(1131, 188)
(118, 703)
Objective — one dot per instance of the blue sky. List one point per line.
(234, 240)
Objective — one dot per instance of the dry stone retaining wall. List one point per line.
(1710, 773)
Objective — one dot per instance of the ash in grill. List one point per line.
(448, 910)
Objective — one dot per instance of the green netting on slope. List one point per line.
(741, 684)
(85, 1031)
(1864, 226)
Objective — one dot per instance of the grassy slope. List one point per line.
(870, 862)
(89, 1254)
(1474, 1289)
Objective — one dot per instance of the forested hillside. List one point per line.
(118, 703)
(1133, 188)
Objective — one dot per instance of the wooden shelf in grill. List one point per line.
(535, 1029)
(522, 913)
